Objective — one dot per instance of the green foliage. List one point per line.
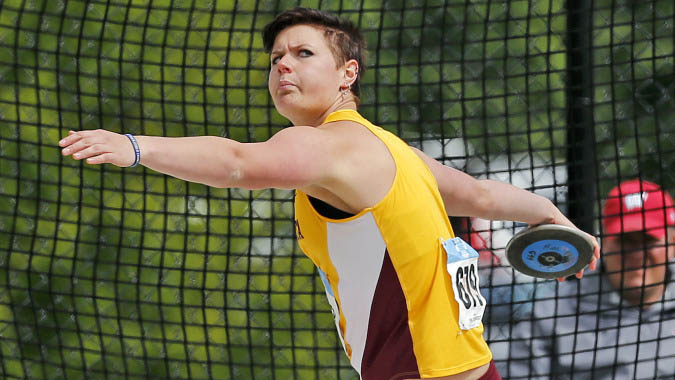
(634, 121)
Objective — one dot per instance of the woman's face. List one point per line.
(304, 79)
(636, 265)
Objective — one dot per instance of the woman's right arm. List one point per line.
(280, 162)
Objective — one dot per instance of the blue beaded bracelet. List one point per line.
(137, 150)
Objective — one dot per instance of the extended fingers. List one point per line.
(98, 147)
(596, 257)
(594, 260)
(76, 141)
(72, 138)
(87, 151)
(82, 144)
(596, 254)
(76, 147)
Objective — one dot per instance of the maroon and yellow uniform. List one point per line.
(385, 275)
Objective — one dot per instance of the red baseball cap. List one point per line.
(637, 205)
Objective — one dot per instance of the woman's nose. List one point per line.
(284, 65)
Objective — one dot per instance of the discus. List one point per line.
(550, 251)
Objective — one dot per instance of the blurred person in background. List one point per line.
(620, 322)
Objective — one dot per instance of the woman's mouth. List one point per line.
(286, 84)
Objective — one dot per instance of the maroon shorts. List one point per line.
(492, 373)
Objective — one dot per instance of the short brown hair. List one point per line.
(345, 39)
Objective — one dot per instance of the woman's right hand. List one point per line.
(99, 147)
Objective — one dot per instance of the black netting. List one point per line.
(128, 274)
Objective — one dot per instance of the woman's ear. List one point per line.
(351, 71)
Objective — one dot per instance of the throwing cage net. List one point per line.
(109, 273)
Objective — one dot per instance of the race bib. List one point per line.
(463, 269)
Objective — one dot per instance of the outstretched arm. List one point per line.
(280, 162)
(464, 195)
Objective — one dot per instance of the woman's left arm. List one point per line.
(464, 195)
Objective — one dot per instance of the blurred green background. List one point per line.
(127, 274)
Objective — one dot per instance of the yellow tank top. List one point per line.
(384, 271)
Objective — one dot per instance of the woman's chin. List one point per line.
(294, 113)
(287, 107)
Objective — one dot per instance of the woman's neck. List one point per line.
(316, 120)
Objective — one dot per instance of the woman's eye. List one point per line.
(305, 53)
(275, 60)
